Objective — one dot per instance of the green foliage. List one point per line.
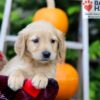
(18, 21)
(71, 54)
(73, 9)
(1, 10)
(94, 50)
(95, 83)
(10, 52)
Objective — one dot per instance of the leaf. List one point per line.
(94, 50)
(92, 90)
(73, 9)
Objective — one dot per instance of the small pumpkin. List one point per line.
(55, 16)
(68, 81)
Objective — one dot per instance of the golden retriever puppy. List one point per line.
(38, 47)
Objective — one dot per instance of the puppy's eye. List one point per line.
(36, 40)
(53, 41)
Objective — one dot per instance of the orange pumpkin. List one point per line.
(55, 16)
(68, 81)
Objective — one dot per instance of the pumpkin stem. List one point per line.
(50, 3)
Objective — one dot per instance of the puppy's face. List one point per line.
(43, 46)
(42, 41)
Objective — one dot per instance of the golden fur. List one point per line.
(28, 62)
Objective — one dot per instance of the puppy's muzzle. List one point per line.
(46, 55)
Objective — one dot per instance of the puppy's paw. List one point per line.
(40, 81)
(15, 82)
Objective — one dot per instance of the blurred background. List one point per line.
(21, 15)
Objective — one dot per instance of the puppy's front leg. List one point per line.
(16, 80)
(40, 81)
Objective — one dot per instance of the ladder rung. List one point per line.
(11, 38)
(73, 45)
(68, 44)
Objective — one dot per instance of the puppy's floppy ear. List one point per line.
(20, 43)
(61, 47)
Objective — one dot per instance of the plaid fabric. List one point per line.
(45, 94)
(3, 60)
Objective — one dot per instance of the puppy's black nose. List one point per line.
(46, 54)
